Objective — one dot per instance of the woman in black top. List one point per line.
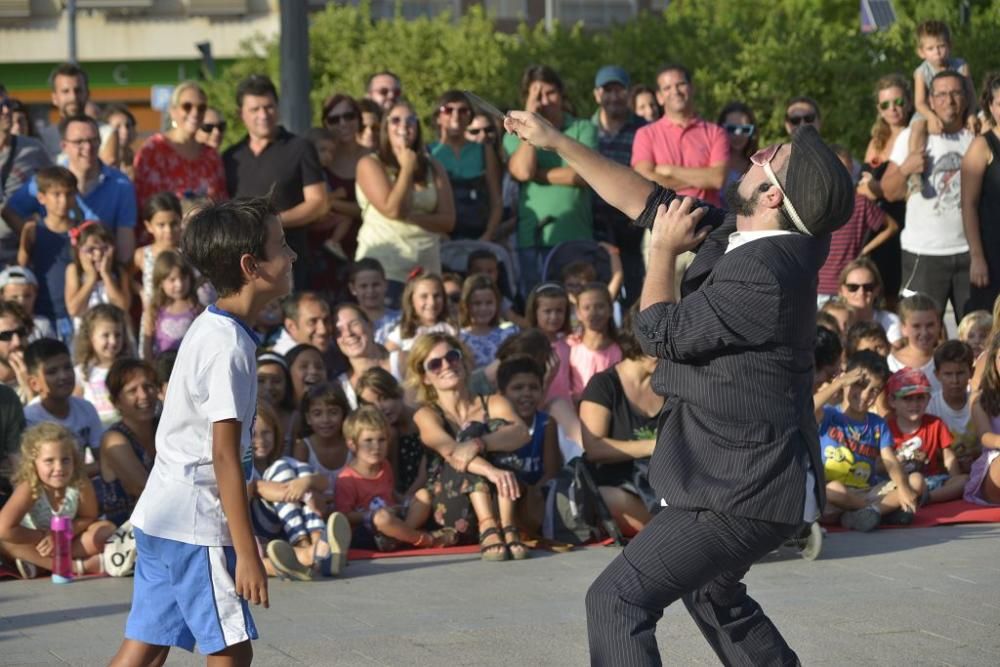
(981, 203)
(618, 412)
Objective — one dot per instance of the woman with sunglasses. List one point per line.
(406, 202)
(740, 124)
(212, 130)
(460, 429)
(342, 117)
(893, 108)
(174, 161)
(473, 169)
(861, 288)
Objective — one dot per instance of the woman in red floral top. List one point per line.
(173, 161)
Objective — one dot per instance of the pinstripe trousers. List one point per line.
(700, 557)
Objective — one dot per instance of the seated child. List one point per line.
(983, 487)
(853, 441)
(101, 338)
(368, 285)
(828, 356)
(52, 379)
(379, 388)
(321, 445)
(867, 336)
(595, 348)
(19, 285)
(521, 381)
(922, 441)
(842, 312)
(479, 317)
(920, 324)
(365, 492)
(51, 482)
(485, 262)
(953, 362)
(285, 510)
(974, 329)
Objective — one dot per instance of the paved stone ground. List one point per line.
(905, 597)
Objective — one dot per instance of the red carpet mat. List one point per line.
(943, 514)
(365, 554)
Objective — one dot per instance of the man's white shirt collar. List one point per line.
(736, 239)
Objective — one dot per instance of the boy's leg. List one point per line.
(890, 500)
(134, 653)
(238, 655)
(419, 510)
(841, 499)
(386, 522)
(951, 488)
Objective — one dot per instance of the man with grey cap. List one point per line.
(737, 461)
(616, 128)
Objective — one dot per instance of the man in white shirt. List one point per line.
(935, 250)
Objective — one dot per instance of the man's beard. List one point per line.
(739, 204)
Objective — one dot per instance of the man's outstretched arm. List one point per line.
(616, 184)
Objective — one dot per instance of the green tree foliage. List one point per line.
(759, 52)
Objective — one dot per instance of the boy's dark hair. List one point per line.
(870, 361)
(366, 105)
(828, 348)
(949, 74)
(165, 366)
(521, 363)
(530, 342)
(953, 351)
(933, 28)
(859, 331)
(365, 264)
(68, 69)
(78, 118)
(476, 255)
(43, 350)
(49, 177)
(257, 85)
(543, 73)
(122, 371)
(219, 234)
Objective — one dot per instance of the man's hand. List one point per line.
(674, 230)
(251, 580)
(534, 101)
(531, 128)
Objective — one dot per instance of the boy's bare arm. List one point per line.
(920, 96)
(907, 496)
(251, 579)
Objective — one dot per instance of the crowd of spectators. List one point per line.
(455, 285)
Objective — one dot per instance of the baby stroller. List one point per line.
(455, 258)
(568, 252)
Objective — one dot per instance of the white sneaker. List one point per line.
(338, 535)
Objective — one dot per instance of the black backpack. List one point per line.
(575, 513)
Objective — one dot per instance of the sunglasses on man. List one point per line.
(7, 336)
(476, 131)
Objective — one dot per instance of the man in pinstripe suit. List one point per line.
(737, 460)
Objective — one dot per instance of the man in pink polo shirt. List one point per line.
(681, 151)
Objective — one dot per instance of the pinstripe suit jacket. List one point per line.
(737, 369)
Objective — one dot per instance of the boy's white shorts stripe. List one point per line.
(228, 607)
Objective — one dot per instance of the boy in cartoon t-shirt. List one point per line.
(922, 441)
(853, 441)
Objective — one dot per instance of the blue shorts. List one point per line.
(185, 594)
(935, 482)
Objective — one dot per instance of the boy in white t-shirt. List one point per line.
(953, 361)
(52, 379)
(198, 564)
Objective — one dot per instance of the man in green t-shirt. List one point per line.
(554, 203)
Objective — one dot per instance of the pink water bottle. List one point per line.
(62, 551)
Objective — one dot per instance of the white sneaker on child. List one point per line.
(863, 520)
(338, 534)
(286, 561)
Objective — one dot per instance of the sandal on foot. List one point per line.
(286, 561)
(26, 569)
(338, 535)
(518, 549)
(497, 552)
